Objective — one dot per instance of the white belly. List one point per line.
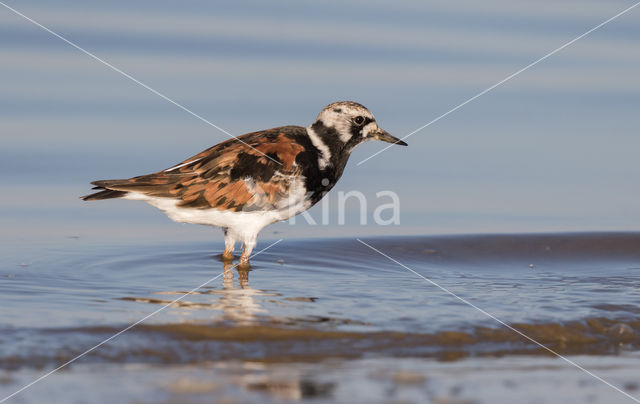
(239, 222)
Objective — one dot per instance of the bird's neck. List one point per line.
(332, 154)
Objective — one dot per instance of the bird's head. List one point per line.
(350, 124)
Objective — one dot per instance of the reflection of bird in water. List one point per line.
(243, 277)
(237, 302)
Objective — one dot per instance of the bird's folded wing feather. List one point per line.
(228, 176)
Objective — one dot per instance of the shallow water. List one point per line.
(325, 318)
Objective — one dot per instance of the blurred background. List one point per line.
(554, 149)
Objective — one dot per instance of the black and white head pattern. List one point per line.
(339, 128)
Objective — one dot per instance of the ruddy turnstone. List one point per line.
(249, 182)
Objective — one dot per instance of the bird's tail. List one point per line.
(103, 193)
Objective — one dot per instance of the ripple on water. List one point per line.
(331, 297)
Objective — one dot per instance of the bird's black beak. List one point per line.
(386, 137)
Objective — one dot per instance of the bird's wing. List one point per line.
(253, 172)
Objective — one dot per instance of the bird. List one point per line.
(248, 182)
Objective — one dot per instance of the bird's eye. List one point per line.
(359, 120)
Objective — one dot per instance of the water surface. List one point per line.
(311, 314)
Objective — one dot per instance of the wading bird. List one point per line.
(249, 182)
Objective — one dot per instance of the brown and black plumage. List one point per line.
(246, 183)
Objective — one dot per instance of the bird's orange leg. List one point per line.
(227, 255)
(229, 246)
(247, 247)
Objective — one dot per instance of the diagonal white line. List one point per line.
(463, 300)
(112, 67)
(128, 328)
(527, 67)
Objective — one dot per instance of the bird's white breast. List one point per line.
(250, 222)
